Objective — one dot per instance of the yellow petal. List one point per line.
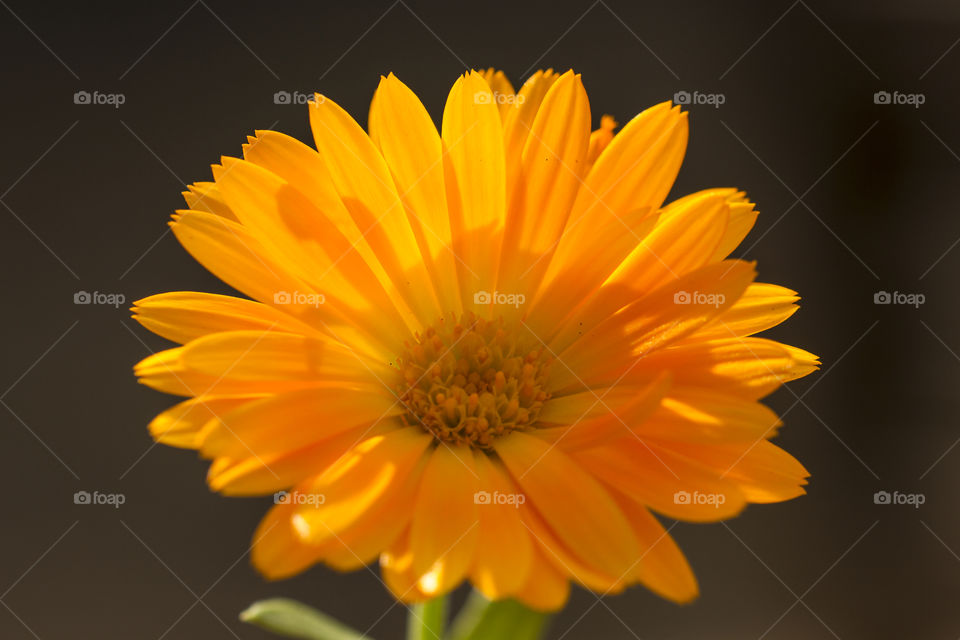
(363, 480)
(376, 530)
(205, 196)
(546, 588)
(763, 471)
(552, 168)
(579, 510)
(277, 551)
(748, 367)
(662, 568)
(761, 307)
(742, 218)
(584, 259)
(600, 138)
(182, 316)
(474, 179)
(180, 425)
(396, 565)
(271, 355)
(659, 478)
(288, 222)
(290, 421)
(636, 170)
(504, 551)
(165, 371)
(443, 533)
(412, 148)
(518, 121)
(692, 414)
(233, 254)
(501, 87)
(254, 475)
(363, 180)
(657, 320)
(613, 423)
(684, 239)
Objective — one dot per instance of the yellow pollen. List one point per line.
(471, 380)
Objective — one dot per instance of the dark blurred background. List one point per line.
(856, 197)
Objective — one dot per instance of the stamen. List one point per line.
(473, 380)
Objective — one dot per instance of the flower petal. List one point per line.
(361, 481)
(412, 148)
(474, 179)
(662, 568)
(504, 551)
(552, 169)
(656, 477)
(578, 509)
(180, 425)
(761, 307)
(296, 419)
(363, 180)
(182, 316)
(443, 533)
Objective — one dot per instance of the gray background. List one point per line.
(855, 198)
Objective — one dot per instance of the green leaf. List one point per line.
(296, 620)
(481, 619)
(427, 621)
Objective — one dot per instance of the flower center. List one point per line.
(472, 380)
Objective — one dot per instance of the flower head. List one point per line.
(488, 353)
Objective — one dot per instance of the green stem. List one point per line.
(481, 619)
(469, 616)
(427, 620)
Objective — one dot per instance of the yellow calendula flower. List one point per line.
(488, 353)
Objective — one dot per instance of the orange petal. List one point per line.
(579, 510)
(443, 533)
(474, 179)
(182, 316)
(504, 550)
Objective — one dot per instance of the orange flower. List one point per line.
(486, 353)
